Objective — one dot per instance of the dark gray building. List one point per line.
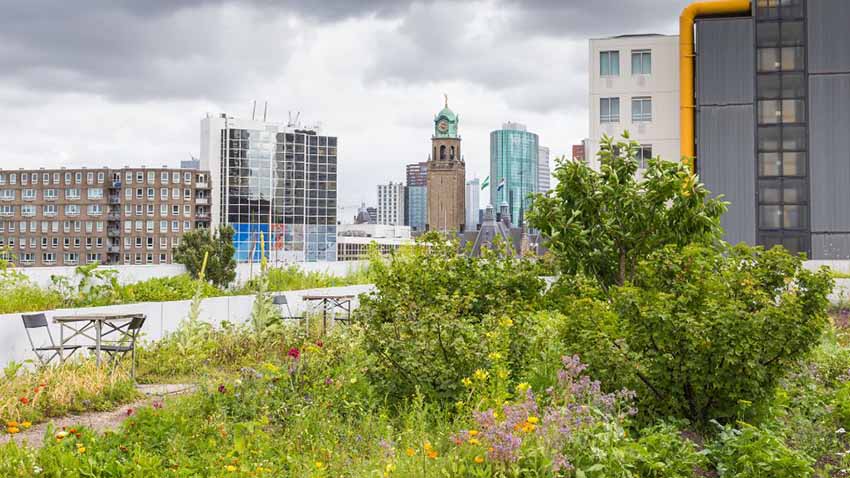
(773, 123)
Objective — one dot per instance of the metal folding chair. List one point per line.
(280, 301)
(120, 348)
(45, 353)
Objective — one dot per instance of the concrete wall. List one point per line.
(136, 273)
(725, 121)
(162, 317)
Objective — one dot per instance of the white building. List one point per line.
(473, 188)
(543, 174)
(634, 87)
(391, 204)
(355, 240)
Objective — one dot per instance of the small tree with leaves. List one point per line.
(602, 223)
(217, 245)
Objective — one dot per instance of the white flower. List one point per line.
(841, 431)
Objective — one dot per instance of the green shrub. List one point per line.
(701, 330)
(751, 452)
(427, 323)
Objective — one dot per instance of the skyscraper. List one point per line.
(275, 182)
(543, 174)
(446, 175)
(473, 186)
(513, 168)
(416, 199)
(391, 204)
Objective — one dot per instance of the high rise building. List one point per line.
(446, 175)
(278, 183)
(391, 204)
(634, 88)
(416, 200)
(66, 217)
(513, 168)
(373, 214)
(473, 186)
(543, 174)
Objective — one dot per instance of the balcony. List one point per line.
(203, 185)
(113, 216)
(202, 215)
(114, 249)
(114, 199)
(113, 232)
(202, 201)
(116, 184)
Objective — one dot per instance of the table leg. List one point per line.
(97, 326)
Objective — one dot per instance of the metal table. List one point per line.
(330, 302)
(81, 325)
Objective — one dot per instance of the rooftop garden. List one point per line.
(658, 352)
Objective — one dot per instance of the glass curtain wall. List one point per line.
(513, 157)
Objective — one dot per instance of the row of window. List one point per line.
(72, 258)
(51, 226)
(77, 177)
(49, 194)
(609, 62)
(148, 226)
(149, 210)
(609, 109)
(67, 242)
(163, 194)
(49, 210)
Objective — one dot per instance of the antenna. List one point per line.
(254, 110)
(265, 110)
(294, 122)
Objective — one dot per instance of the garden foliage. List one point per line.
(215, 248)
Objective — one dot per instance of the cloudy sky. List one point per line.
(126, 82)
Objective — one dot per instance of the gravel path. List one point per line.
(99, 421)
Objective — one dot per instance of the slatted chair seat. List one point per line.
(112, 348)
(126, 344)
(57, 348)
(45, 353)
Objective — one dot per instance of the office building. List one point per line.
(355, 240)
(446, 175)
(67, 217)
(391, 204)
(417, 174)
(543, 173)
(634, 88)
(416, 199)
(473, 187)
(277, 183)
(513, 168)
(770, 87)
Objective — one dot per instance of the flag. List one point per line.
(501, 185)
(485, 183)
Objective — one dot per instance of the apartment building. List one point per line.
(634, 87)
(391, 204)
(68, 217)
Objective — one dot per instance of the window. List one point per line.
(149, 242)
(28, 194)
(148, 226)
(163, 209)
(128, 177)
(609, 63)
(641, 62)
(128, 209)
(187, 194)
(139, 210)
(49, 194)
(7, 194)
(175, 193)
(95, 210)
(609, 110)
(89, 226)
(138, 225)
(98, 226)
(71, 258)
(128, 194)
(187, 210)
(163, 177)
(781, 111)
(13, 178)
(95, 193)
(163, 226)
(7, 210)
(28, 210)
(89, 178)
(140, 177)
(56, 178)
(163, 193)
(140, 193)
(25, 178)
(35, 178)
(187, 178)
(150, 194)
(151, 177)
(100, 177)
(644, 155)
(72, 193)
(2, 179)
(642, 108)
(149, 209)
(163, 243)
(48, 258)
(49, 210)
(78, 178)
(138, 242)
(128, 226)
(175, 177)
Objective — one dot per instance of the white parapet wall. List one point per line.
(135, 273)
(162, 317)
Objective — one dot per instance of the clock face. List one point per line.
(443, 126)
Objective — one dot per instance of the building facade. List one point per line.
(391, 204)
(544, 175)
(772, 89)
(513, 168)
(355, 240)
(68, 217)
(446, 175)
(278, 188)
(416, 199)
(473, 188)
(634, 87)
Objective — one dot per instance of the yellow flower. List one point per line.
(61, 435)
(319, 465)
(26, 425)
(494, 356)
(81, 449)
(523, 387)
(473, 433)
(432, 454)
(466, 382)
(427, 446)
(533, 420)
(410, 452)
(11, 424)
(478, 459)
(389, 468)
(481, 375)
(230, 468)
(503, 373)
(13, 430)
(474, 441)
(527, 427)
(506, 322)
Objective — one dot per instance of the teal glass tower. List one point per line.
(513, 169)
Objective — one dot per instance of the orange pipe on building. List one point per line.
(686, 66)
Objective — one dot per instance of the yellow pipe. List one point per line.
(686, 65)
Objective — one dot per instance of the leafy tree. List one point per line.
(221, 265)
(603, 223)
(702, 331)
(428, 323)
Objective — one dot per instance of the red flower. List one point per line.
(222, 389)
(25, 400)
(36, 390)
(129, 411)
(320, 344)
(294, 353)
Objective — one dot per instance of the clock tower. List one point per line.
(446, 175)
